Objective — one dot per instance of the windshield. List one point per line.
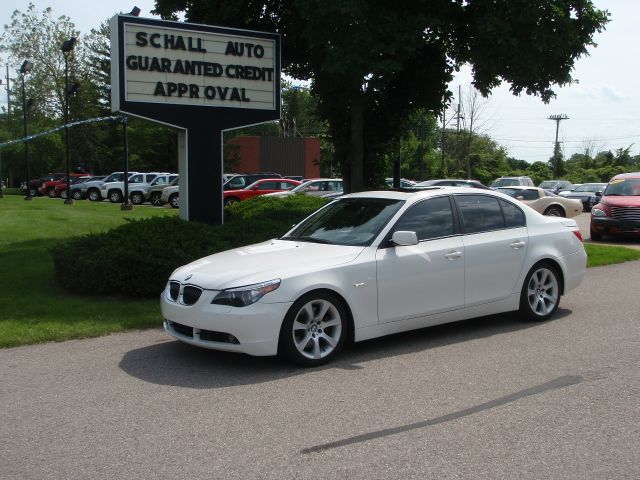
(548, 184)
(350, 221)
(590, 187)
(506, 182)
(627, 187)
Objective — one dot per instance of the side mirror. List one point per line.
(599, 194)
(404, 238)
(520, 197)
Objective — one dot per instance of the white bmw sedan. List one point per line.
(372, 264)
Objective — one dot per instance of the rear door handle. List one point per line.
(518, 244)
(452, 255)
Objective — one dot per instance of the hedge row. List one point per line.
(137, 258)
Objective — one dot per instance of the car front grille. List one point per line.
(626, 213)
(174, 290)
(190, 294)
(185, 294)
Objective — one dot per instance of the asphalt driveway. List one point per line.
(489, 398)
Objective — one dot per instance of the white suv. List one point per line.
(114, 191)
(512, 182)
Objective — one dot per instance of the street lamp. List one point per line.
(26, 67)
(67, 48)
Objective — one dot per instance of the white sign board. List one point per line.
(167, 65)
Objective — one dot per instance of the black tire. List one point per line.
(230, 200)
(156, 199)
(555, 211)
(174, 200)
(314, 330)
(94, 195)
(137, 198)
(115, 196)
(51, 193)
(77, 195)
(63, 194)
(34, 192)
(540, 296)
(595, 236)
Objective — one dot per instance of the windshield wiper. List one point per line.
(306, 239)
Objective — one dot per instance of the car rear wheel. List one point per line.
(156, 199)
(51, 193)
(540, 295)
(33, 191)
(314, 329)
(174, 200)
(93, 194)
(63, 194)
(137, 198)
(115, 196)
(554, 212)
(230, 200)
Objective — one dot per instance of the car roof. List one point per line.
(623, 176)
(410, 194)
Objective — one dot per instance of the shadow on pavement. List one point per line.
(178, 364)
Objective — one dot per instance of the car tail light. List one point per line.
(578, 234)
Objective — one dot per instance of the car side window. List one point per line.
(135, 179)
(268, 186)
(529, 194)
(480, 213)
(513, 216)
(432, 218)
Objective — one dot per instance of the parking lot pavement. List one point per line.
(489, 398)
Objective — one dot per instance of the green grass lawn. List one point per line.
(32, 307)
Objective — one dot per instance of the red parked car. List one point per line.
(260, 187)
(60, 190)
(49, 188)
(618, 211)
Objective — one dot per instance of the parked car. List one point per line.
(318, 187)
(114, 191)
(451, 182)
(404, 183)
(259, 187)
(171, 195)
(139, 191)
(154, 192)
(36, 183)
(49, 187)
(240, 181)
(556, 186)
(94, 190)
(60, 190)
(375, 263)
(544, 202)
(588, 193)
(618, 210)
(512, 182)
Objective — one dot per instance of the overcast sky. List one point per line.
(603, 108)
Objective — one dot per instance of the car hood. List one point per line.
(262, 262)
(622, 201)
(579, 194)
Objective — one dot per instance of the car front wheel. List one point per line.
(115, 196)
(540, 295)
(77, 195)
(174, 200)
(314, 329)
(137, 198)
(156, 199)
(94, 195)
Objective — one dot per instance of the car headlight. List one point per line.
(596, 212)
(244, 296)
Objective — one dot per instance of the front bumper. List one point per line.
(615, 226)
(253, 330)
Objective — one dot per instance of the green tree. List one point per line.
(373, 62)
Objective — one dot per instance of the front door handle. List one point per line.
(518, 244)
(452, 255)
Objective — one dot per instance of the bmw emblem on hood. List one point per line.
(188, 277)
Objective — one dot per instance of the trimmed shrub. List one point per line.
(137, 258)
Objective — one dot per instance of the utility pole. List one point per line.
(556, 148)
(458, 117)
(444, 124)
